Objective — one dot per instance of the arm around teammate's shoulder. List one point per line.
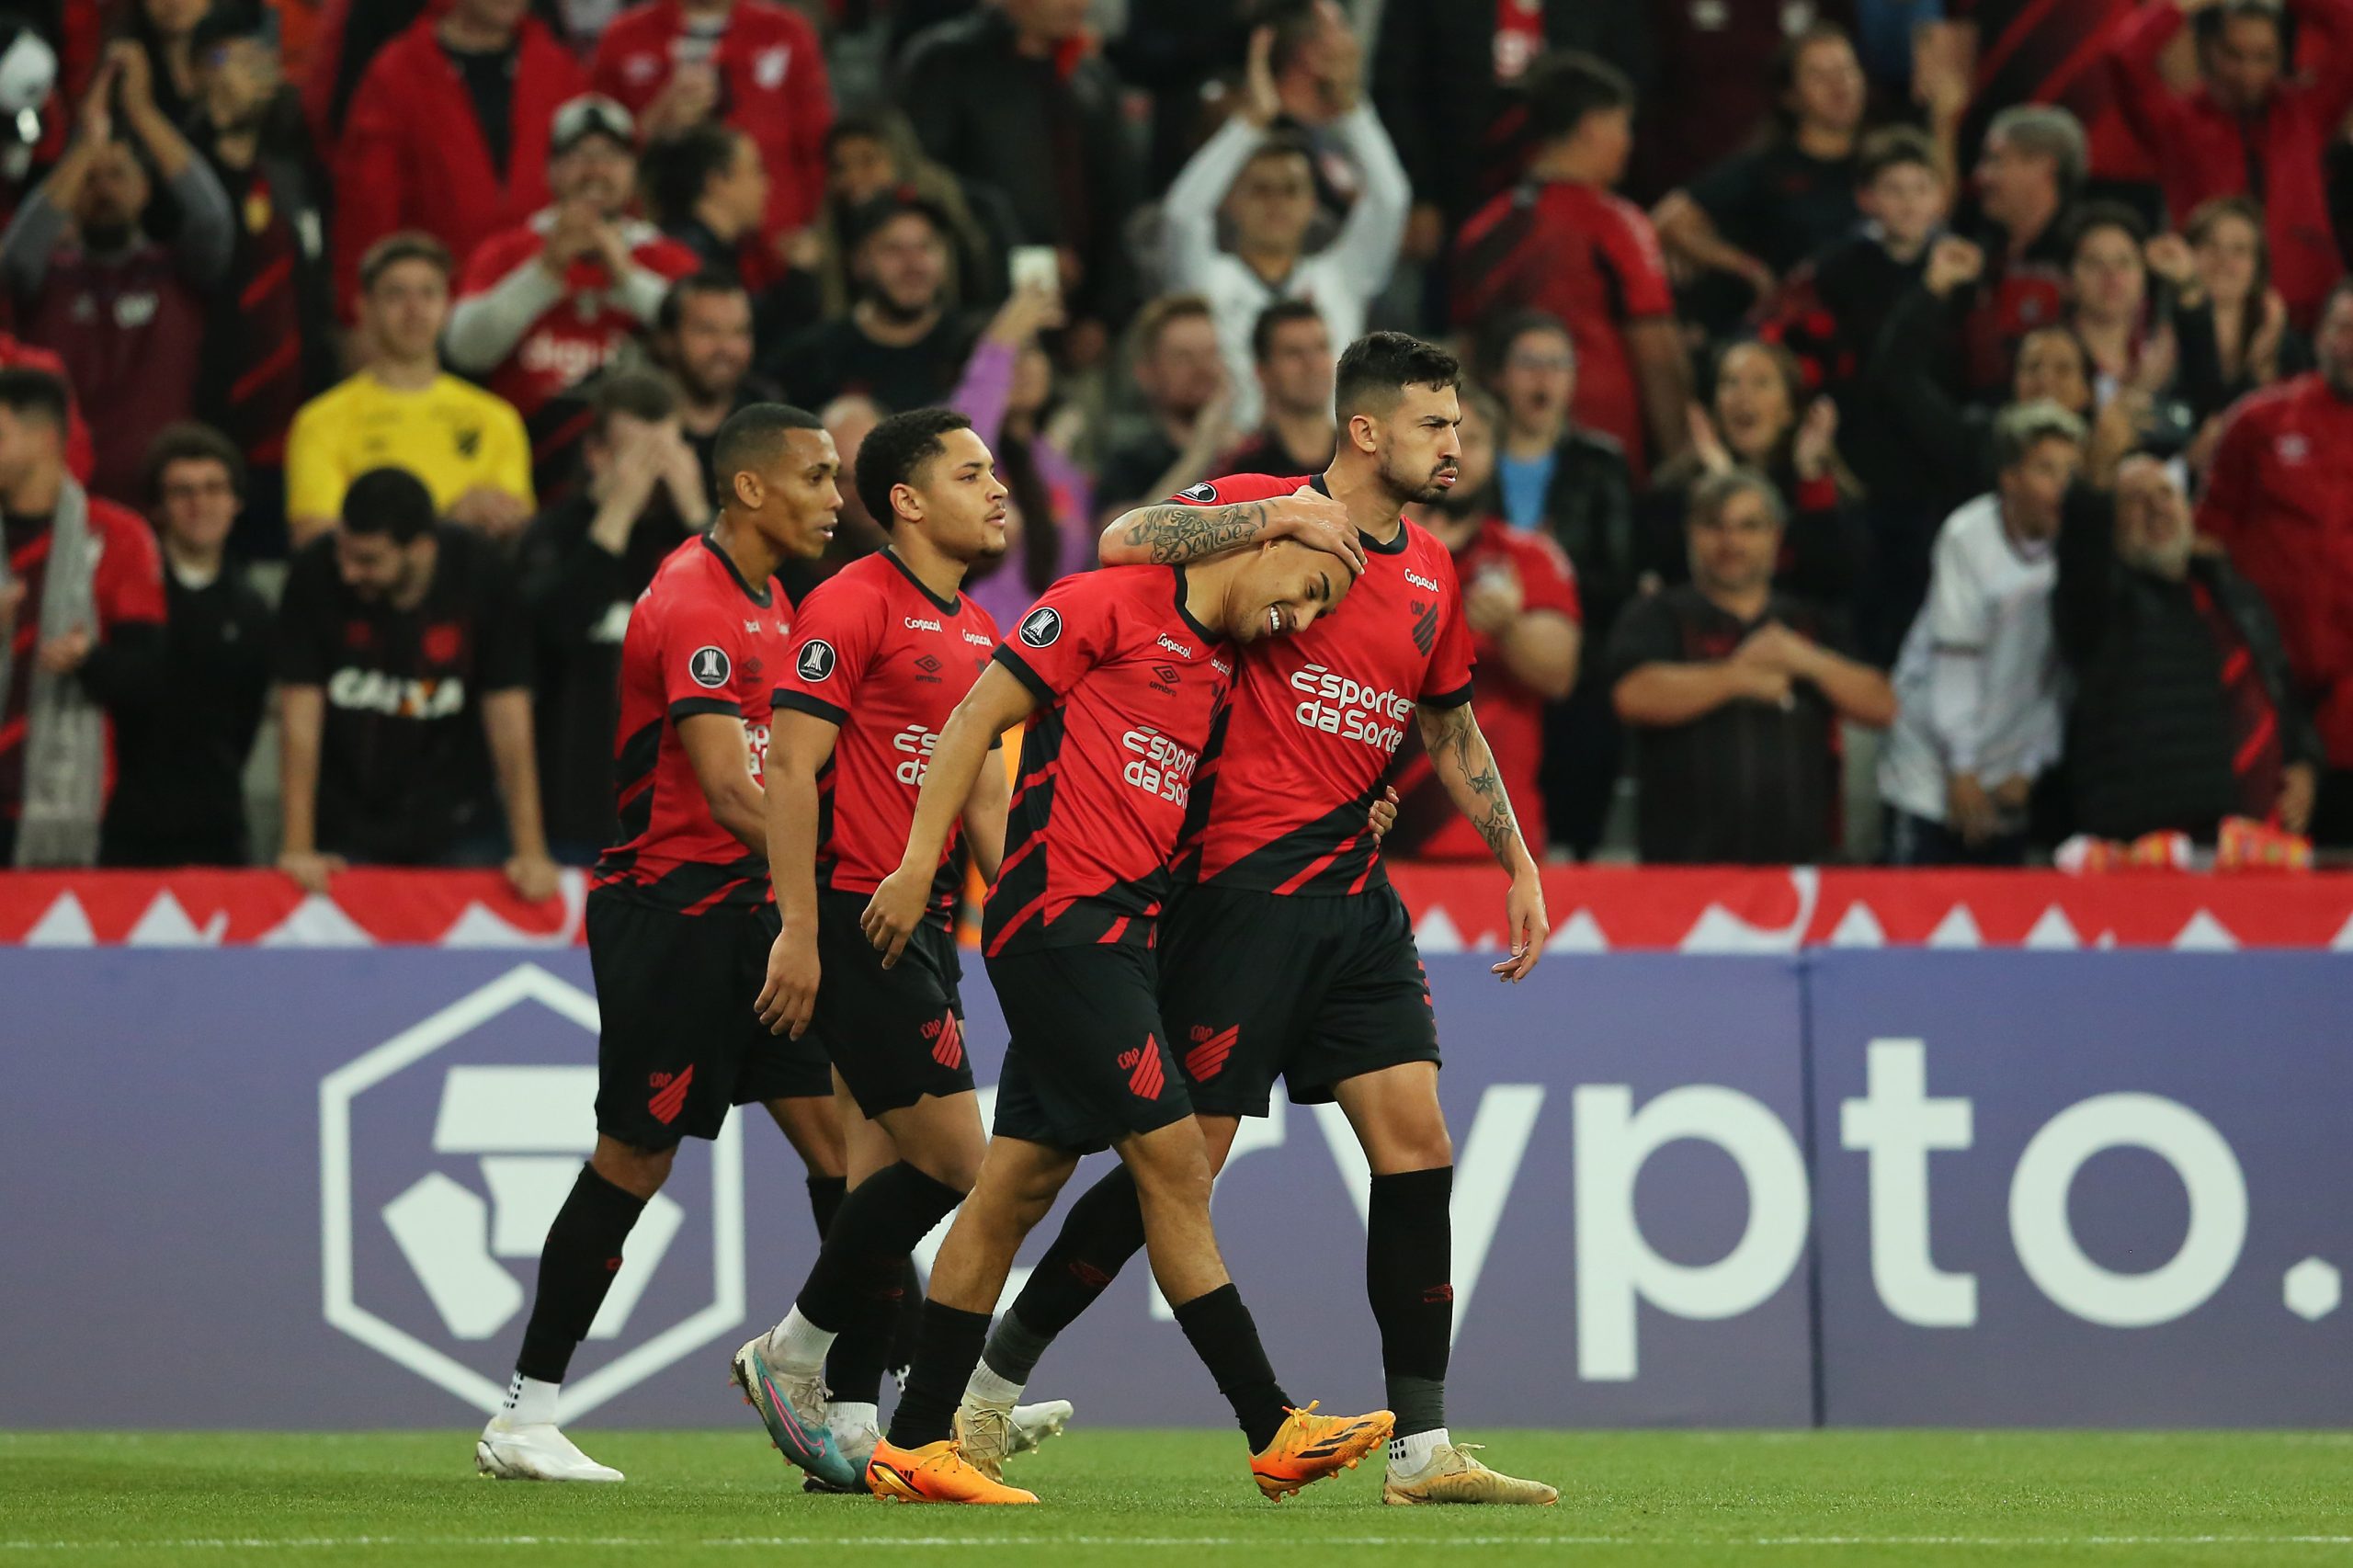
(1170, 533)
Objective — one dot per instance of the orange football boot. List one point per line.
(1310, 1447)
(936, 1473)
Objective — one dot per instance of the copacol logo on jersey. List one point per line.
(445, 1153)
(817, 660)
(1040, 627)
(709, 667)
(1341, 706)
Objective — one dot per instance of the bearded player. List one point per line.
(883, 653)
(679, 914)
(1279, 860)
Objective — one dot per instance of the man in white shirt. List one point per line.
(1263, 181)
(1978, 685)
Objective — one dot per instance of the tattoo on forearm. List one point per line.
(1177, 534)
(1458, 739)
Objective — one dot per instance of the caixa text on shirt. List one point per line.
(1339, 706)
(1162, 767)
(396, 697)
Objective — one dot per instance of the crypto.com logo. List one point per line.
(529, 1126)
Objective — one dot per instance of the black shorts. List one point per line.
(680, 1041)
(1318, 989)
(1090, 1063)
(896, 1034)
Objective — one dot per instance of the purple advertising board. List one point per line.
(1689, 1191)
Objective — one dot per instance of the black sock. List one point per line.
(948, 1350)
(1103, 1230)
(908, 1325)
(861, 1355)
(1408, 1266)
(1220, 1332)
(577, 1263)
(879, 1224)
(825, 1195)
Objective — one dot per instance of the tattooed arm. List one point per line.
(1171, 533)
(1458, 753)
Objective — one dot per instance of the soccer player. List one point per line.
(680, 913)
(881, 654)
(1119, 673)
(1278, 859)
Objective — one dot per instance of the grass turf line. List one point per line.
(396, 1499)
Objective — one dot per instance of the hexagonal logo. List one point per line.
(444, 1154)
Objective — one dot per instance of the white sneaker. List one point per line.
(988, 1434)
(538, 1452)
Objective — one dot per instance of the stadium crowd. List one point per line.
(1864, 459)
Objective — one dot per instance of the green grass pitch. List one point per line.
(1183, 1499)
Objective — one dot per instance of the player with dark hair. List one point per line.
(679, 916)
(1119, 673)
(881, 654)
(1277, 858)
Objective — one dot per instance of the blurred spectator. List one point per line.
(847, 420)
(405, 161)
(1733, 693)
(164, 32)
(1292, 350)
(1171, 51)
(271, 342)
(2185, 712)
(1008, 393)
(543, 308)
(901, 342)
(2108, 302)
(124, 311)
(873, 155)
(2281, 501)
(402, 410)
(1188, 404)
(2231, 329)
(1262, 183)
(2248, 128)
(756, 65)
(1978, 682)
(708, 189)
(1520, 599)
(17, 355)
(2028, 175)
(1563, 244)
(181, 746)
(583, 563)
(1013, 96)
(1758, 420)
(1755, 216)
(81, 614)
(1830, 312)
(703, 337)
(406, 658)
(1699, 64)
(1572, 485)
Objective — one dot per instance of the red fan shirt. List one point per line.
(1299, 756)
(1131, 683)
(580, 334)
(700, 640)
(880, 657)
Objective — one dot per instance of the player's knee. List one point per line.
(640, 1172)
(1169, 1166)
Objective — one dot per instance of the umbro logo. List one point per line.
(1165, 678)
(928, 665)
(709, 667)
(816, 659)
(1425, 627)
(1040, 627)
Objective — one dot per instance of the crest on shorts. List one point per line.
(1040, 627)
(1200, 495)
(817, 660)
(709, 665)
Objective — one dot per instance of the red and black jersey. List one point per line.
(884, 660)
(1130, 684)
(701, 640)
(1299, 756)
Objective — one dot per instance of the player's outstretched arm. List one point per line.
(998, 701)
(984, 820)
(1458, 752)
(721, 757)
(799, 745)
(1173, 532)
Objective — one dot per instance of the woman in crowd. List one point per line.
(1008, 393)
(2230, 324)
